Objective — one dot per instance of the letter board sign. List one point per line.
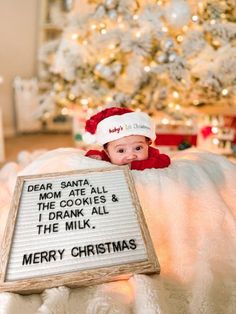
(75, 228)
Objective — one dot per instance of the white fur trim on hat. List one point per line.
(118, 126)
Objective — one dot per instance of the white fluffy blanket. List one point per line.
(190, 209)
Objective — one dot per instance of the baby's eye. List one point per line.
(121, 151)
(138, 148)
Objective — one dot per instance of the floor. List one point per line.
(31, 142)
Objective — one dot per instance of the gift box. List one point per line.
(172, 139)
(176, 136)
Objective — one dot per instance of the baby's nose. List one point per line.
(131, 156)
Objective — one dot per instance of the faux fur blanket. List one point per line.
(190, 209)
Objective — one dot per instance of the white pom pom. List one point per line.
(89, 138)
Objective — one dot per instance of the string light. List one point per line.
(165, 121)
(215, 141)
(175, 94)
(189, 122)
(71, 96)
(109, 99)
(171, 105)
(180, 38)
(195, 18)
(214, 129)
(216, 43)
(164, 29)
(58, 87)
(102, 25)
(147, 68)
(153, 64)
(111, 46)
(93, 26)
(196, 102)
(200, 5)
(74, 36)
(224, 92)
(64, 111)
(102, 60)
(84, 101)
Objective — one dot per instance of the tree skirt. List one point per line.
(190, 209)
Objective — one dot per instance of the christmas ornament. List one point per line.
(112, 14)
(103, 71)
(172, 57)
(177, 13)
(167, 44)
(68, 5)
(110, 4)
(162, 58)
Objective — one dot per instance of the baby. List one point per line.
(126, 137)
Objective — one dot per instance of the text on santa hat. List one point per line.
(128, 127)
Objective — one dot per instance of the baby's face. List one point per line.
(127, 149)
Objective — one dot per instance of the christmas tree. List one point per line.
(148, 55)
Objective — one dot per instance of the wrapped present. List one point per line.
(176, 134)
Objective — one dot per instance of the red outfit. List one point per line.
(154, 160)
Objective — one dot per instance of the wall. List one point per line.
(18, 50)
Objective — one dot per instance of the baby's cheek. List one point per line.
(117, 160)
(143, 155)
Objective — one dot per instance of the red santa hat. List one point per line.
(113, 123)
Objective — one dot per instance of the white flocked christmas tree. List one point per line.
(148, 55)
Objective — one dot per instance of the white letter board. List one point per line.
(75, 228)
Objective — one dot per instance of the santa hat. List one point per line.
(113, 123)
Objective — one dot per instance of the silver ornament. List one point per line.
(112, 14)
(110, 4)
(68, 5)
(106, 72)
(162, 58)
(167, 44)
(172, 57)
